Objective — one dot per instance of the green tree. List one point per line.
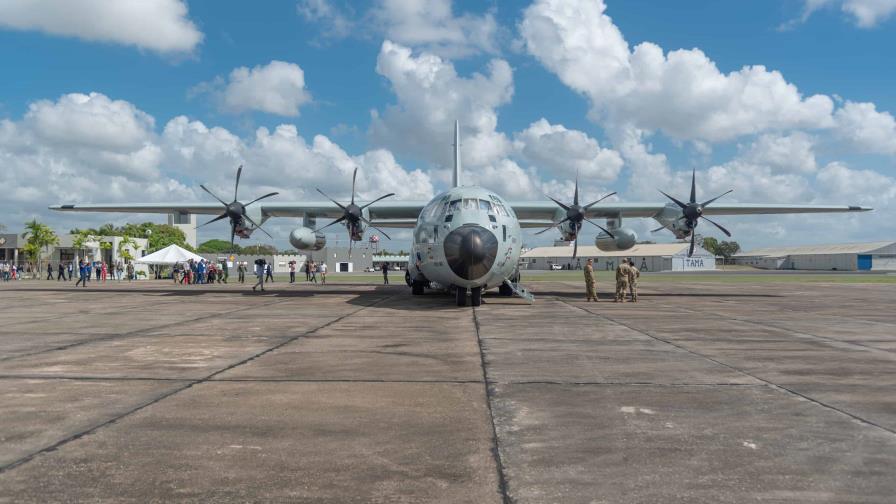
(218, 247)
(81, 238)
(38, 238)
(259, 250)
(711, 245)
(125, 245)
(727, 249)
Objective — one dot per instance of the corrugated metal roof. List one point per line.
(843, 248)
(644, 249)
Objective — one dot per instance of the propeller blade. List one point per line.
(658, 229)
(716, 224)
(350, 243)
(380, 198)
(589, 205)
(561, 205)
(693, 240)
(575, 195)
(605, 230)
(717, 197)
(232, 234)
(354, 177)
(694, 186)
(261, 198)
(337, 221)
(552, 226)
(257, 226)
(213, 194)
(682, 205)
(575, 247)
(236, 187)
(331, 199)
(370, 224)
(216, 219)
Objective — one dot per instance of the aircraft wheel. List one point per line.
(504, 290)
(461, 296)
(407, 278)
(476, 296)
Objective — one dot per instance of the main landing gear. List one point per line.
(475, 296)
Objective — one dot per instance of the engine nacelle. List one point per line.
(306, 239)
(624, 240)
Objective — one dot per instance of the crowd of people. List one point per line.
(98, 271)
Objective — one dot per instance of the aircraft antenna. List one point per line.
(457, 178)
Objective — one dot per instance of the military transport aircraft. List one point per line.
(466, 238)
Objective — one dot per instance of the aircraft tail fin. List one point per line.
(456, 178)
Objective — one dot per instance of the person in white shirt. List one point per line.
(323, 273)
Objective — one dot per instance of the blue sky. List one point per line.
(373, 106)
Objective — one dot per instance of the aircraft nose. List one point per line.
(470, 251)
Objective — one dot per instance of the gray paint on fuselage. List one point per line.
(428, 253)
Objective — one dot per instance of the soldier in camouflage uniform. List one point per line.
(622, 272)
(633, 276)
(590, 281)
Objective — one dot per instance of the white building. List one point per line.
(647, 257)
(843, 257)
(186, 223)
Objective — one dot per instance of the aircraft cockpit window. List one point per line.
(500, 210)
(485, 205)
(469, 203)
(454, 206)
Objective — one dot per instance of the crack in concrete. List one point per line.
(733, 368)
(188, 385)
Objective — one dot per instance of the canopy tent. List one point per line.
(172, 254)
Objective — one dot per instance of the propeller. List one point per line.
(235, 210)
(353, 215)
(575, 214)
(692, 212)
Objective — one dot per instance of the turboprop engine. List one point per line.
(622, 239)
(306, 239)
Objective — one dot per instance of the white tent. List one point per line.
(172, 254)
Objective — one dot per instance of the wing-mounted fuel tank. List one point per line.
(304, 238)
(622, 239)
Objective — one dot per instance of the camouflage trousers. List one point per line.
(621, 289)
(633, 290)
(591, 290)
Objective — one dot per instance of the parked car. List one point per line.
(556, 267)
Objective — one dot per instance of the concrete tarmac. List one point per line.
(700, 392)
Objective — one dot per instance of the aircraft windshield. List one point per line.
(485, 205)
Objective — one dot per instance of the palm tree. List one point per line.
(125, 245)
(81, 239)
(39, 237)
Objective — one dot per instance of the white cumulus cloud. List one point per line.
(157, 25)
(866, 129)
(865, 13)
(276, 88)
(566, 152)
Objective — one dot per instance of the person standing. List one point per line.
(226, 268)
(104, 271)
(633, 276)
(269, 273)
(622, 272)
(312, 266)
(292, 272)
(60, 276)
(307, 267)
(385, 268)
(590, 282)
(241, 272)
(50, 271)
(323, 273)
(130, 271)
(260, 266)
(71, 270)
(83, 273)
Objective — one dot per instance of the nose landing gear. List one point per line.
(475, 296)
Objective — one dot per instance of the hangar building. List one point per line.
(844, 257)
(647, 257)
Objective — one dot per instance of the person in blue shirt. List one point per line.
(83, 273)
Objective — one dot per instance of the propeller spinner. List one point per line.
(576, 215)
(692, 212)
(235, 210)
(353, 215)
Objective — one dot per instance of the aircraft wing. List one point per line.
(383, 214)
(534, 214)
